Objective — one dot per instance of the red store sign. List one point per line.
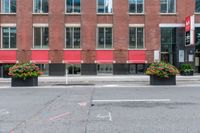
(187, 23)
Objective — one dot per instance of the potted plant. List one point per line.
(24, 74)
(186, 70)
(162, 73)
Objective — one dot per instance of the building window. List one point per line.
(136, 6)
(41, 37)
(105, 37)
(41, 6)
(104, 6)
(105, 69)
(197, 4)
(8, 37)
(8, 6)
(73, 37)
(167, 6)
(73, 6)
(136, 37)
(73, 69)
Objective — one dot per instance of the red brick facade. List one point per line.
(88, 19)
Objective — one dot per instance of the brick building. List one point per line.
(92, 37)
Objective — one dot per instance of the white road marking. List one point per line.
(4, 112)
(131, 100)
(100, 116)
(83, 104)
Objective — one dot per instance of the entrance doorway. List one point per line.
(168, 45)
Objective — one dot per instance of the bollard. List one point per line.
(66, 77)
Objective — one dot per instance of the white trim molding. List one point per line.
(72, 25)
(172, 25)
(40, 25)
(136, 25)
(8, 25)
(197, 25)
(104, 25)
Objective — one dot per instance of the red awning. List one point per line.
(137, 56)
(104, 56)
(8, 56)
(40, 56)
(72, 57)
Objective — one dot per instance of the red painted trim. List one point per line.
(104, 56)
(40, 56)
(72, 57)
(137, 56)
(8, 56)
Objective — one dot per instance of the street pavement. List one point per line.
(100, 107)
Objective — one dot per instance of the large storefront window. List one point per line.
(105, 69)
(168, 45)
(73, 69)
(197, 49)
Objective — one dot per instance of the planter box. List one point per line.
(191, 73)
(27, 82)
(155, 80)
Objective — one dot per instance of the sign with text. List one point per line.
(189, 30)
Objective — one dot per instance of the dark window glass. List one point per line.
(167, 6)
(41, 6)
(41, 37)
(104, 37)
(104, 6)
(5, 37)
(136, 37)
(8, 6)
(37, 37)
(73, 37)
(197, 6)
(9, 37)
(105, 69)
(12, 37)
(73, 6)
(136, 6)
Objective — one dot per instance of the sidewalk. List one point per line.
(106, 78)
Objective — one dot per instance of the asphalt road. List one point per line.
(100, 109)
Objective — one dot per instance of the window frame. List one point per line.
(136, 8)
(72, 8)
(8, 26)
(137, 26)
(40, 8)
(41, 36)
(2, 12)
(97, 37)
(106, 13)
(72, 26)
(167, 12)
(196, 8)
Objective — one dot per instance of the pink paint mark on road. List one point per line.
(58, 116)
(83, 104)
(12, 131)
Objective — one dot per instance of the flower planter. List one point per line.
(27, 82)
(155, 80)
(191, 73)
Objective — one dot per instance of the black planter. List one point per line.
(191, 73)
(27, 82)
(155, 80)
